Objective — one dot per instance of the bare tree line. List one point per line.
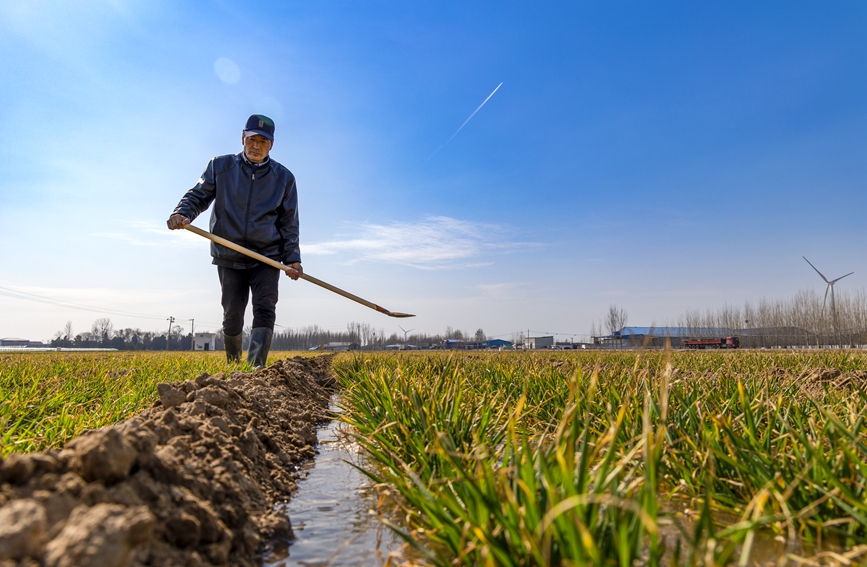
(102, 334)
(804, 320)
(363, 336)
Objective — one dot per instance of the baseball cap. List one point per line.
(260, 124)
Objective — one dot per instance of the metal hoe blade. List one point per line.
(279, 266)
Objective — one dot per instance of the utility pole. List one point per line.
(169, 335)
(192, 334)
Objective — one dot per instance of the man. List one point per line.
(256, 206)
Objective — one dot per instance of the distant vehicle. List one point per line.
(728, 342)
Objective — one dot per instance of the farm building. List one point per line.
(655, 336)
(481, 345)
(205, 341)
(765, 337)
(20, 343)
(341, 346)
(538, 342)
(755, 337)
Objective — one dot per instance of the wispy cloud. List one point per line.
(431, 244)
(150, 234)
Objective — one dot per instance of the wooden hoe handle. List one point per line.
(284, 268)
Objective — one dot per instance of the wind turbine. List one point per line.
(829, 288)
(405, 332)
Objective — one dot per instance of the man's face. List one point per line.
(256, 147)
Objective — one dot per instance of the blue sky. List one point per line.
(659, 156)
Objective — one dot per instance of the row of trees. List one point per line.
(364, 336)
(102, 334)
(808, 319)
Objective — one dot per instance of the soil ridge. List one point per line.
(197, 480)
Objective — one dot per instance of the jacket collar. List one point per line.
(255, 165)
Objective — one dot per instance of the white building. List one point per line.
(538, 342)
(205, 341)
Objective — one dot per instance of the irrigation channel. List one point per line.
(333, 514)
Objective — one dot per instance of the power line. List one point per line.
(26, 296)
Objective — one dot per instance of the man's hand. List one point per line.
(177, 221)
(294, 270)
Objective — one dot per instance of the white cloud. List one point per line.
(431, 244)
(150, 234)
(434, 243)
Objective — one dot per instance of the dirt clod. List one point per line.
(171, 395)
(194, 480)
(105, 535)
(22, 528)
(102, 455)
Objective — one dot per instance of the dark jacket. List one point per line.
(255, 205)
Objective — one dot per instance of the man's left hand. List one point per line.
(294, 270)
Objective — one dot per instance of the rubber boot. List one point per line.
(260, 344)
(233, 347)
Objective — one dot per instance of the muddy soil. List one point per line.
(814, 382)
(197, 480)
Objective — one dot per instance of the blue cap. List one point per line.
(261, 125)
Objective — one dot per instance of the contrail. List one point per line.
(465, 121)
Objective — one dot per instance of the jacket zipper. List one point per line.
(247, 214)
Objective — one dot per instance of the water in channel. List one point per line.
(333, 513)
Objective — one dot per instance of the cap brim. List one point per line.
(259, 133)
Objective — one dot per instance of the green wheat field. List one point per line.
(553, 458)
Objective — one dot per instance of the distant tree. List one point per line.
(102, 329)
(615, 320)
(480, 335)
(456, 334)
(63, 337)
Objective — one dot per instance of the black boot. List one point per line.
(233, 348)
(260, 344)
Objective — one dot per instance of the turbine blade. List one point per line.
(817, 271)
(826, 296)
(841, 277)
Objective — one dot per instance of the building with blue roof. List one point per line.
(755, 337)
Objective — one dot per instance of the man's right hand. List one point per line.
(177, 221)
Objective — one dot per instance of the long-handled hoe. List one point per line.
(279, 266)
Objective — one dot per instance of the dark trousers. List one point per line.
(236, 285)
